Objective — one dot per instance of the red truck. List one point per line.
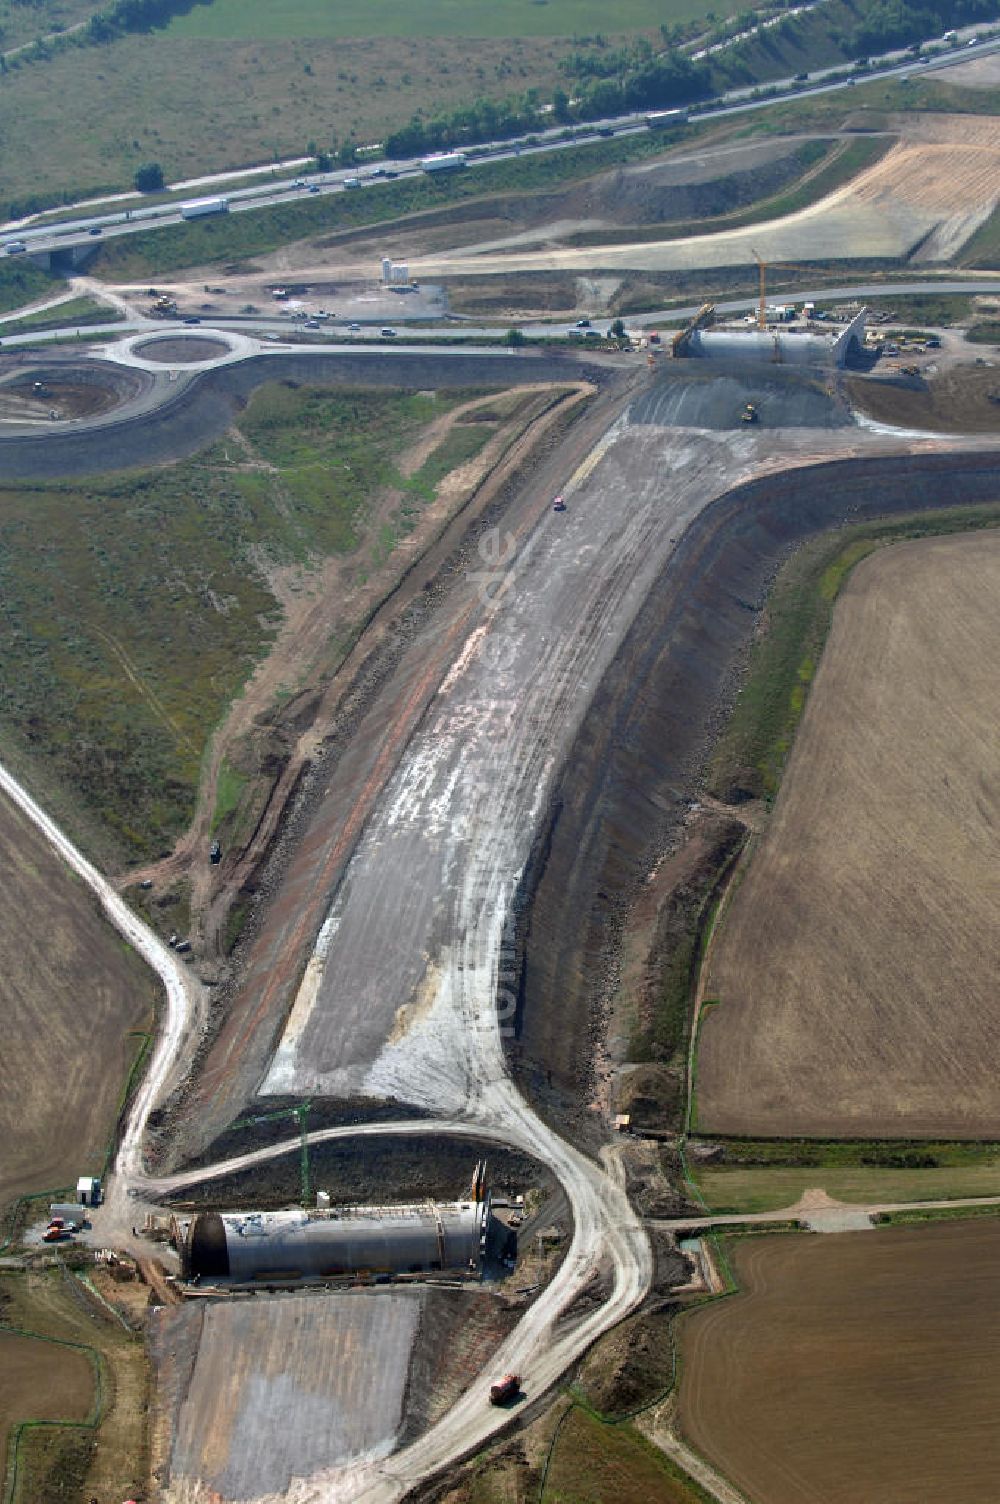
(508, 1388)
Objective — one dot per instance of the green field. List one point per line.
(767, 1188)
(257, 19)
(133, 608)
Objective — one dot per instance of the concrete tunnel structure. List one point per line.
(247, 1247)
(778, 345)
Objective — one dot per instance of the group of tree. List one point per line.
(650, 81)
(135, 15)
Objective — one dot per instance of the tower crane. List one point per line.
(763, 267)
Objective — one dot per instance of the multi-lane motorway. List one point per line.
(43, 237)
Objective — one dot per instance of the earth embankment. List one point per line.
(636, 765)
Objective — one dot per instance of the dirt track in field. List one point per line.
(858, 1366)
(856, 971)
(70, 994)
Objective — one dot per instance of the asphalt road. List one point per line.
(289, 333)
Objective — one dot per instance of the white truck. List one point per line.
(199, 207)
(445, 161)
(659, 120)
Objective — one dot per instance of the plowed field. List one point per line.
(858, 1366)
(70, 992)
(856, 969)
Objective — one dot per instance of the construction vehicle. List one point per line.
(164, 307)
(505, 1390)
(749, 414)
(56, 1231)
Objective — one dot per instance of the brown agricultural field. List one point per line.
(855, 1366)
(855, 972)
(73, 996)
(40, 1380)
(105, 1457)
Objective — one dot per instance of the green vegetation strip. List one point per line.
(752, 752)
(74, 311)
(22, 282)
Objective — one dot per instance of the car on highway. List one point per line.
(312, 324)
(354, 328)
(313, 187)
(388, 333)
(94, 230)
(558, 505)
(192, 320)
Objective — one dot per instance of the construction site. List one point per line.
(452, 707)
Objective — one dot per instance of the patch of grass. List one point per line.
(987, 333)
(593, 1462)
(463, 442)
(936, 1214)
(983, 248)
(934, 308)
(228, 791)
(259, 19)
(751, 754)
(133, 608)
(739, 1190)
(75, 311)
(21, 281)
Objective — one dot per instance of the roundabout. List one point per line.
(177, 351)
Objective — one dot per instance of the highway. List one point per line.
(64, 234)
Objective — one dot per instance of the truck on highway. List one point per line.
(665, 119)
(199, 207)
(505, 1389)
(445, 161)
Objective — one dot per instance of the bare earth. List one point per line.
(856, 970)
(69, 995)
(929, 192)
(859, 1366)
(278, 1391)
